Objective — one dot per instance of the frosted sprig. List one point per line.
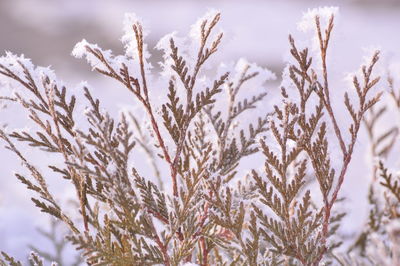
(307, 22)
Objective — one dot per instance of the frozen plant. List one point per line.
(210, 214)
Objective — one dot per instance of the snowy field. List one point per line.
(46, 31)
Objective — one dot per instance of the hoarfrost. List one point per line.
(164, 43)
(369, 52)
(164, 46)
(307, 25)
(80, 51)
(46, 72)
(195, 31)
(83, 84)
(188, 49)
(286, 80)
(16, 64)
(379, 252)
(129, 37)
(115, 62)
(33, 256)
(324, 13)
(264, 74)
(12, 61)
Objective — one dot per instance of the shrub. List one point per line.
(196, 205)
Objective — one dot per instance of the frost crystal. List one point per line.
(34, 257)
(12, 62)
(369, 52)
(17, 64)
(46, 72)
(164, 45)
(195, 32)
(308, 20)
(80, 51)
(129, 37)
(264, 73)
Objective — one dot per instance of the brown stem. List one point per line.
(201, 58)
(164, 251)
(323, 43)
(77, 179)
(205, 251)
(146, 102)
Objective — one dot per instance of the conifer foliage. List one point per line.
(212, 213)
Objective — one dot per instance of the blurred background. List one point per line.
(47, 30)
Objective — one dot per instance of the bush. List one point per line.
(196, 205)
